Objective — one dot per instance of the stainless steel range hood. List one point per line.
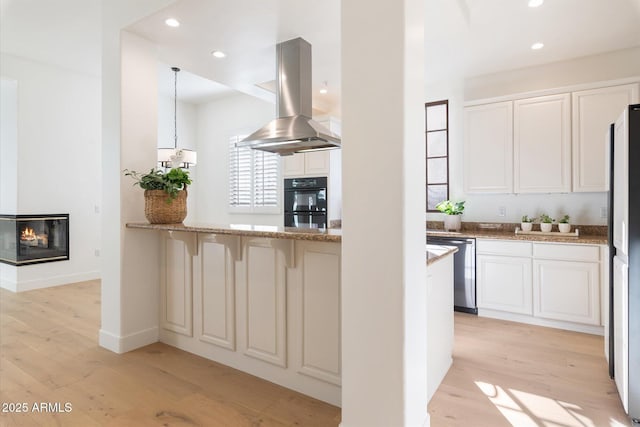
(294, 130)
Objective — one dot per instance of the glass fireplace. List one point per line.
(31, 239)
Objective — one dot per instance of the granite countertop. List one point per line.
(434, 252)
(437, 252)
(273, 232)
(593, 235)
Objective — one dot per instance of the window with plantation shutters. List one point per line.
(253, 179)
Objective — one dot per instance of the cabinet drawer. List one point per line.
(503, 247)
(556, 251)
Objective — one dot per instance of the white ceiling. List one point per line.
(66, 33)
(464, 38)
(475, 37)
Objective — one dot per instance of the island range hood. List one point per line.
(293, 131)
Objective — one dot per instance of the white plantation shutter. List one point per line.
(253, 177)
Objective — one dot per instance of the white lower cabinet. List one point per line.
(567, 290)
(504, 276)
(316, 311)
(262, 300)
(550, 284)
(217, 290)
(504, 283)
(269, 307)
(176, 283)
(440, 335)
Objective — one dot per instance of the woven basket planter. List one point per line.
(159, 210)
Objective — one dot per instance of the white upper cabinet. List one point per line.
(542, 144)
(313, 163)
(293, 165)
(488, 148)
(593, 111)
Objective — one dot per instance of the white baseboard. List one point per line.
(8, 284)
(126, 343)
(537, 321)
(48, 282)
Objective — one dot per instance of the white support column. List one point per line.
(129, 259)
(384, 329)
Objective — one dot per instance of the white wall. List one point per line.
(584, 208)
(217, 121)
(8, 164)
(8, 146)
(58, 162)
(607, 66)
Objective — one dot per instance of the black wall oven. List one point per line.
(305, 202)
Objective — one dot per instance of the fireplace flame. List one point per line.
(28, 234)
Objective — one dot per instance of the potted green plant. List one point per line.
(526, 223)
(165, 194)
(564, 225)
(453, 212)
(546, 222)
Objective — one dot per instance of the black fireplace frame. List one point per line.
(29, 218)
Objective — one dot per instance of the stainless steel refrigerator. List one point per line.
(624, 249)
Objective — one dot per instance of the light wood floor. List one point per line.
(512, 374)
(504, 374)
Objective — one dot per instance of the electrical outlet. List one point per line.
(96, 252)
(96, 209)
(604, 212)
(502, 211)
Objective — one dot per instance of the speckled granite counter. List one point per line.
(434, 252)
(510, 235)
(273, 232)
(437, 252)
(589, 234)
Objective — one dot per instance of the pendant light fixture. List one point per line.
(176, 157)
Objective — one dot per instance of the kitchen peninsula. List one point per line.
(266, 300)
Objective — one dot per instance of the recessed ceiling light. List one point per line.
(537, 46)
(172, 22)
(218, 54)
(535, 3)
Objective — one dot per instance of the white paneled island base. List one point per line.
(270, 306)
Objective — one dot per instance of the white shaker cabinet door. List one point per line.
(176, 283)
(316, 311)
(504, 283)
(542, 144)
(567, 290)
(488, 148)
(314, 163)
(293, 166)
(593, 111)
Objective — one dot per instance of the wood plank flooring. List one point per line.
(504, 374)
(512, 374)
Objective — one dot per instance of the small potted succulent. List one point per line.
(546, 222)
(165, 194)
(453, 212)
(526, 223)
(564, 225)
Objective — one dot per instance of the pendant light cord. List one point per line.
(175, 106)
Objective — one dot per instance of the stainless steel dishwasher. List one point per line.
(464, 271)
